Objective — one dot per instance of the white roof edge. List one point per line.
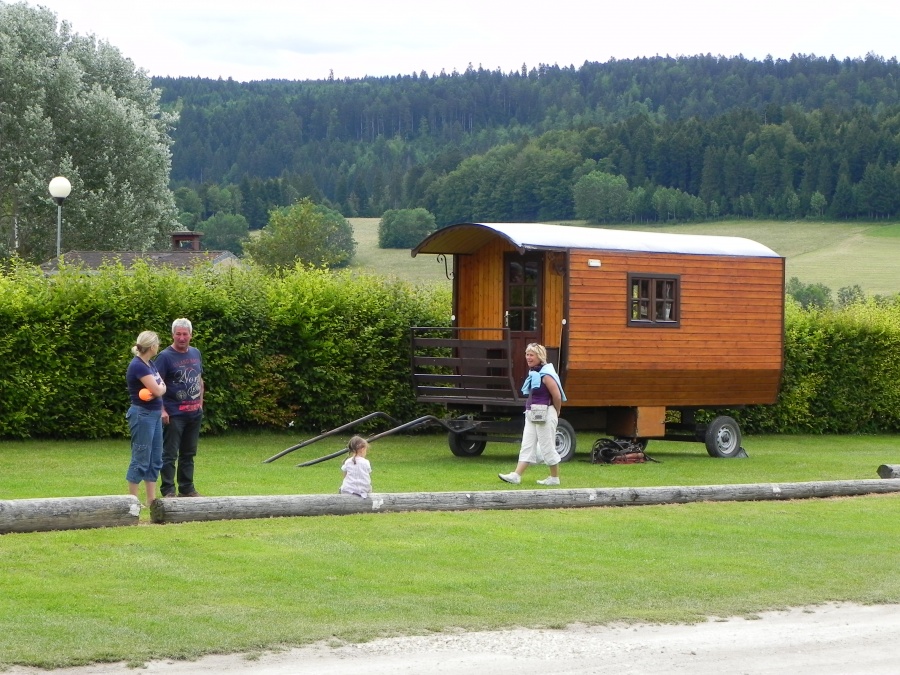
(541, 235)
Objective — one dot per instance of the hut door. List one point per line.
(522, 282)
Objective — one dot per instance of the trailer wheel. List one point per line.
(723, 438)
(565, 441)
(461, 446)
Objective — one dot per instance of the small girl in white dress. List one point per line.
(357, 469)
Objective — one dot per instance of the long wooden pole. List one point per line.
(234, 508)
(67, 513)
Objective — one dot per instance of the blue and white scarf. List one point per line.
(533, 379)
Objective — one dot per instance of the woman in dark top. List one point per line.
(145, 417)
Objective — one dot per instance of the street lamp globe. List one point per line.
(60, 187)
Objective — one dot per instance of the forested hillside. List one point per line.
(692, 138)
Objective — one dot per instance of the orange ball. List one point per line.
(145, 395)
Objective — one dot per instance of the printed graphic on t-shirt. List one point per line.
(186, 384)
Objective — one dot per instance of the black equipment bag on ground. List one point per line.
(619, 451)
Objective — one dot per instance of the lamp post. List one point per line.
(60, 188)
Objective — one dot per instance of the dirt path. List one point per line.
(828, 639)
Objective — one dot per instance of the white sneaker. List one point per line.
(513, 477)
(549, 480)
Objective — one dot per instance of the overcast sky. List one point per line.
(302, 40)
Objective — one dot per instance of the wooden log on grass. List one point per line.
(235, 508)
(889, 470)
(68, 513)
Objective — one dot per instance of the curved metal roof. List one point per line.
(465, 238)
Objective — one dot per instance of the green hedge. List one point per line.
(308, 347)
(318, 349)
(841, 374)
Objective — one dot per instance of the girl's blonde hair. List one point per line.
(356, 444)
(145, 342)
(538, 350)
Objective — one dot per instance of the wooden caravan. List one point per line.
(638, 324)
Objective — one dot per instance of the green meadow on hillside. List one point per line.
(393, 262)
(834, 254)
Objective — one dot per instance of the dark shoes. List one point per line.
(191, 494)
(170, 495)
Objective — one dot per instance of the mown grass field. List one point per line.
(181, 591)
(837, 255)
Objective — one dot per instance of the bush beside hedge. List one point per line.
(318, 349)
(404, 228)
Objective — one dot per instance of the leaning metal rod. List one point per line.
(310, 462)
(401, 427)
(421, 421)
(330, 433)
(418, 422)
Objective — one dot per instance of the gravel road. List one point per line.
(831, 639)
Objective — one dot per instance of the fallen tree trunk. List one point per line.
(889, 470)
(236, 508)
(68, 513)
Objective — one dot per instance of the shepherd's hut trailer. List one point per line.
(644, 328)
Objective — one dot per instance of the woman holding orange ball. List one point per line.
(146, 388)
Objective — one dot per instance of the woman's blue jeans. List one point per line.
(146, 444)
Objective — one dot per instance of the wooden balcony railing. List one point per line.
(462, 365)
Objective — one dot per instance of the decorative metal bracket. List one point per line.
(443, 259)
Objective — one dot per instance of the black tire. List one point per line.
(462, 446)
(723, 438)
(565, 441)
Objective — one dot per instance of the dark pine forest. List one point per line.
(693, 137)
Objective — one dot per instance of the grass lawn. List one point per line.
(180, 591)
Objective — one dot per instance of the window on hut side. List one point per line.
(653, 300)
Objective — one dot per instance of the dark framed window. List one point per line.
(654, 300)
